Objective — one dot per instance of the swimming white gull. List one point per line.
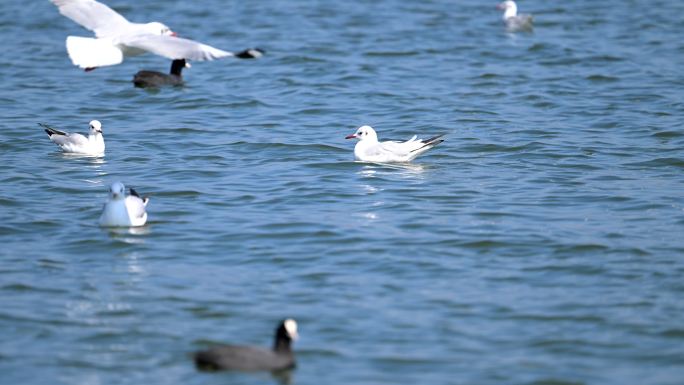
(369, 149)
(123, 211)
(513, 21)
(74, 143)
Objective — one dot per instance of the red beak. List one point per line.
(174, 34)
(352, 136)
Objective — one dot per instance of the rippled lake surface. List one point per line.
(542, 243)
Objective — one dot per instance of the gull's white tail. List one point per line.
(90, 53)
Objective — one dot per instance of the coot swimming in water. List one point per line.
(174, 78)
(251, 358)
(157, 79)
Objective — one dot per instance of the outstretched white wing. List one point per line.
(175, 47)
(94, 16)
(88, 52)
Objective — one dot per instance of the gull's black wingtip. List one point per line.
(431, 142)
(434, 140)
(250, 53)
(51, 131)
(135, 194)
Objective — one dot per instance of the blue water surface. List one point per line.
(541, 243)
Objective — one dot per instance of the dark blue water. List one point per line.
(542, 243)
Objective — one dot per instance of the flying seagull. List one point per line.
(117, 38)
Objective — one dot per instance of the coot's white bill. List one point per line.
(74, 143)
(369, 149)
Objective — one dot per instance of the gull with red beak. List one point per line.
(122, 210)
(117, 38)
(369, 149)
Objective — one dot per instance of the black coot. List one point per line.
(157, 79)
(251, 358)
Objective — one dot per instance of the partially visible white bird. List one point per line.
(368, 149)
(77, 143)
(118, 38)
(513, 21)
(123, 211)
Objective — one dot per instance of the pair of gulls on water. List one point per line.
(117, 38)
(120, 210)
(368, 149)
(514, 21)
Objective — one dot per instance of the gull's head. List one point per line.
(117, 191)
(364, 133)
(289, 327)
(509, 8)
(157, 28)
(95, 127)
